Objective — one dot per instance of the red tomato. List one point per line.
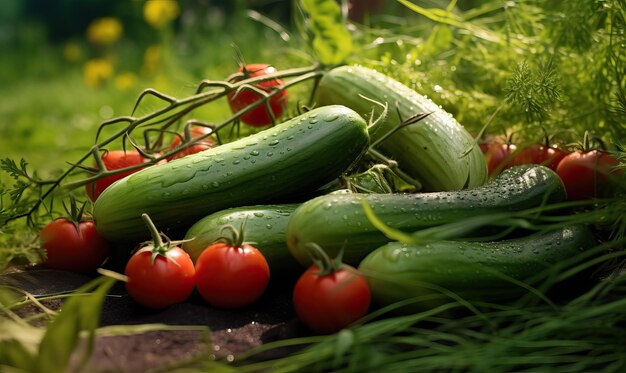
(258, 117)
(540, 154)
(231, 276)
(114, 160)
(204, 144)
(326, 303)
(499, 157)
(167, 280)
(73, 247)
(586, 173)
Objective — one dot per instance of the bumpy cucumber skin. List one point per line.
(474, 271)
(264, 225)
(301, 154)
(431, 151)
(337, 222)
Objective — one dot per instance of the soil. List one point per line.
(228, 333)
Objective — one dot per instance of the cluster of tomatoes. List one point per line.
(231, 274)
(586, 173)
(238, 100)
(228, 274)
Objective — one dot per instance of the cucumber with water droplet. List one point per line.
(264, 225)
(438, 271)
(437, 151)
(291, 158)
(338, 222)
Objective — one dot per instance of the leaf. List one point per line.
(392, 233)
(331, 40)
(81, 312)
(13, 169)
(18, 344)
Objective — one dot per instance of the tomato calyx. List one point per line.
(75, 215)
(158, 246)
(235, 239)
(327, 265)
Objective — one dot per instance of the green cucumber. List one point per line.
(264, 225)
(299, 155)
(473, 271)
(437, 151)
(337, 221)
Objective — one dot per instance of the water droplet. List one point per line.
(258, 214)
(274, 142)
(268, 226)
(254, 153)
(269, 154)
(215, 184)
(331, 117)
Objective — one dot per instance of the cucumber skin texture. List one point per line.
(301, 154)
(429, 150)
(471, 270)
(265, 226)
(337, 222)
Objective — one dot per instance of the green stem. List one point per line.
(156, 236)
(326, 265)
(236, 238)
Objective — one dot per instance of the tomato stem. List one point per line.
(158, 247)
(236, 238)
(321, 259)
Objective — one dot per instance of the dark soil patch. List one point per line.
(232, 332)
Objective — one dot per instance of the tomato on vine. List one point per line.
(330, 295)
(587, 173)
(245, 96)
(549, 156)
(231, 274)
(545, 154)
(159, 274)
(195, 132)
(72, 243)
(499, 157)
(115, 160)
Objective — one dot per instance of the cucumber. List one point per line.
(437, 151)
(474, 271)
(337, 222)
(299, 155)
(265, 225)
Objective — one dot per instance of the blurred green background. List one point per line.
(68, 65)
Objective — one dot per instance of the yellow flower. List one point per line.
(159, 13)
(125, 81)
(104, 31)
(97, 71)
(151, 59)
